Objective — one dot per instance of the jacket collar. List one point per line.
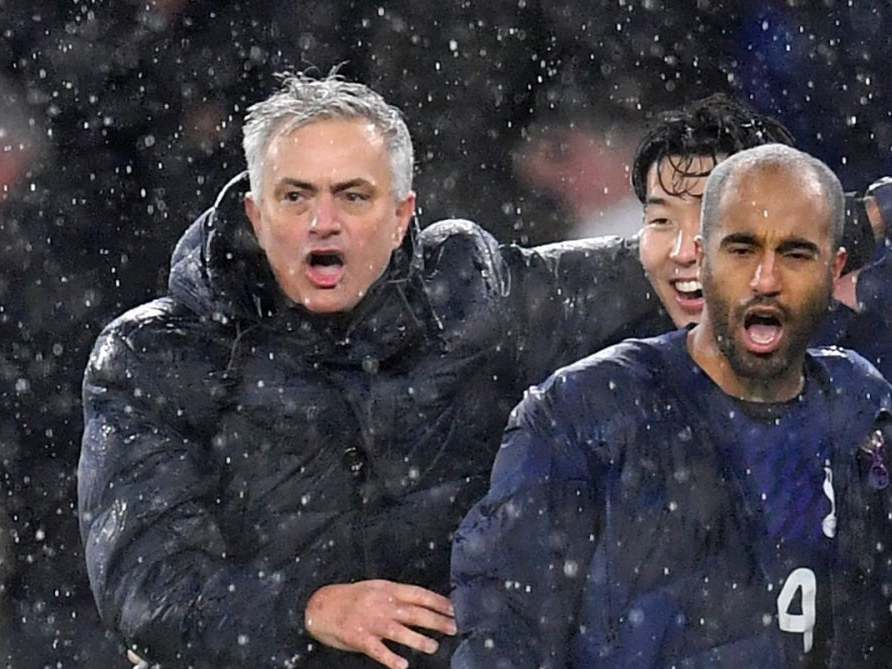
(219, 270)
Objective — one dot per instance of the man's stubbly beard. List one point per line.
(798, 327)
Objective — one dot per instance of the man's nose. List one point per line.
(325, 219)
(684, 252)
(766, 279)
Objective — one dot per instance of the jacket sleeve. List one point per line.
(156, 557)
(869, 330)
(521, 555)
(571, 299)
(874, 289)
(875, 521)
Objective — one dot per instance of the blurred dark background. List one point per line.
(119, 121)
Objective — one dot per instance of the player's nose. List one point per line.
(684, 251)
(325, 219)
(766, 277)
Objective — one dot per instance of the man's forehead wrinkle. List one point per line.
(331, 183)
(282, 169)
(758, 172)
(742, 195)
(748, 183)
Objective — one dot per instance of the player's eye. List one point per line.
(740, 250)
(658, 221)
(355, 196)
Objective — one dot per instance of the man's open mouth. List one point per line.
(688, 297)
(763, 331)
(326, 259)
(325, 268)
(689, 289)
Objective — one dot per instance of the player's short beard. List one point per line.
(799, 326)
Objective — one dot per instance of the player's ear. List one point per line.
(839, 262)
(252, 211)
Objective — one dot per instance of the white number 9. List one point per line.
(802, 579)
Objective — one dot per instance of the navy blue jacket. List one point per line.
(870, 331)
(239, 453)
(611, 535)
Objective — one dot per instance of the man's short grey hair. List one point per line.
(787, 159)
(302, 99)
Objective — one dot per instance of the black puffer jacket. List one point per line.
(240, 453)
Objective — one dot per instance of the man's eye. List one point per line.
(658, 221)
(353, 196)
(293, 196)
(740, 250)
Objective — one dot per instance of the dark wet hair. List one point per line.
(713, 126)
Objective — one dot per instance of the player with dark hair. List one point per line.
(713, 497)
(714, 127)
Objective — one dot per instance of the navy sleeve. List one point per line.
(863, 575)
(869, 625)
(869, 331)
(881, 624)
(521, 555)
(874, 289)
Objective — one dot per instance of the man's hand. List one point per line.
(359, 617)
(137, 661)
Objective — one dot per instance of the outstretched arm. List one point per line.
(572, 299)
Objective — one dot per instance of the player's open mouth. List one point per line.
(763, 331)
(688, 295)
(325, 268)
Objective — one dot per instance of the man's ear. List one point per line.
(839, 261)
(252, 211)
(405, 210)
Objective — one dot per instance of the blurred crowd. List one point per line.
(119, 121)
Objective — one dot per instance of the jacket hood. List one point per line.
(219, 271)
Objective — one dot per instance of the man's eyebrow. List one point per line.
(336, 188)
(651, 199)
(798, 244)
(295, 183)
(351, 183)
(739, 238)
